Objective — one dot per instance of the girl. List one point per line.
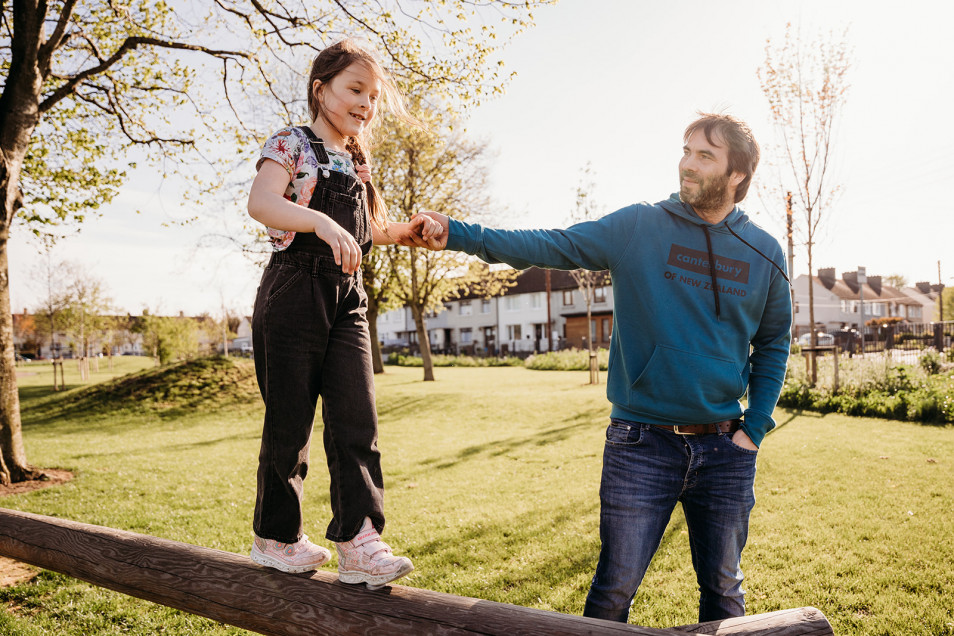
(309, 328)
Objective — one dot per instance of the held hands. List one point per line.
(427, 230)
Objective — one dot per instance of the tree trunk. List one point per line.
(594, 373)
(813, 341)
(424, 342)
(13, 461)
(377, 361)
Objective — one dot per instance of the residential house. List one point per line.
(928, 296)
(514, 323)
(837, 302)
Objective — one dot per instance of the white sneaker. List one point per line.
(302, 556)
(367, 559)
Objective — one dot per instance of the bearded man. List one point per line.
(702, 315)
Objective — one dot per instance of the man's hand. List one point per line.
(739, 438)
(428, 230)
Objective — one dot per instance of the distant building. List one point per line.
(514, 323)
(838, 301)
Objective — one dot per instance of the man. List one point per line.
(703, 313)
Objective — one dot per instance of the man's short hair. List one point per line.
(743, 149)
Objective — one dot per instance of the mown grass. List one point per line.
(492, 489)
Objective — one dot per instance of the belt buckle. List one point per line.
(675, 429)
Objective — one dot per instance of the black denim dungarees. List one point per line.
(310, 337)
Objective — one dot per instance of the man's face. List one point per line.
(704, 181)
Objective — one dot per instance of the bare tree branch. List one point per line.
(129, 45)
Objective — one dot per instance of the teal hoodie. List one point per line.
(688, 338)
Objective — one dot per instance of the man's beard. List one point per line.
(712, 193)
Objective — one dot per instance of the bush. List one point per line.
(931, 362)
(405, 360)
(567, 360)
(875, 386)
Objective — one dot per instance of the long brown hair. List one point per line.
(327, 64)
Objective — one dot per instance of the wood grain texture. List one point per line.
(230, 588)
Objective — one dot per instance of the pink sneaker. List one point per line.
(367, 559)
(302, 556)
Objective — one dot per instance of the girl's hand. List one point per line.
(343, 246)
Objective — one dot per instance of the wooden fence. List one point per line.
(231, 589)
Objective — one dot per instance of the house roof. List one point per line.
(847, 288)
(534, 280)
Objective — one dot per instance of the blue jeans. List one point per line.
(646, 470)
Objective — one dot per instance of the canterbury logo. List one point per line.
(698, 262)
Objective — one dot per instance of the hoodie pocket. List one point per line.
(681, 386)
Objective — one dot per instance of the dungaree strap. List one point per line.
(317, 145)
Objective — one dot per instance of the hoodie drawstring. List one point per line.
(712, 274)
(757, 251)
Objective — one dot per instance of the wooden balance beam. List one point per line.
(230, 588)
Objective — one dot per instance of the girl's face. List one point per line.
(349, 101)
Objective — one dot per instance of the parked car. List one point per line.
(823, 339)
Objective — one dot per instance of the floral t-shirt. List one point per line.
(289, 148)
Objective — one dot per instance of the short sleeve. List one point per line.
(284, 148)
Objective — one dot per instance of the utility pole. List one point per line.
(862, 279)
(940, 293)
(546, 273)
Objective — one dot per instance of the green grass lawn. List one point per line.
(492, 479)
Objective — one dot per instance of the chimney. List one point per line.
(924, 287)
(827, 277)
(851, 279)
(874, 282)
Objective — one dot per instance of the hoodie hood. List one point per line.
(675, 206)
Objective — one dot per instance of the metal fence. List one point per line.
(909, 338)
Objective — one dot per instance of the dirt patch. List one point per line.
(54, 477)
(14, 572)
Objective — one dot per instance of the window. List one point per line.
(511, 303)
(513, 332)
(593, 330)
(607, 329)
(536, 300)
(465, 308)
(567, 297)
(485, 306)
(466, 336)
(599, 295)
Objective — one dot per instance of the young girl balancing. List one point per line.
(309, 326)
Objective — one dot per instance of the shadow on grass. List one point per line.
(507, 572)
(497, 448)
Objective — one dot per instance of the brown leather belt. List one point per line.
(727, 426)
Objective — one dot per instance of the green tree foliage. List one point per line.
(433, 169)
(168, 338)
(90, 88)
(85, 314)
(946, 304)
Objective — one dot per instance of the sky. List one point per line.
(612, 84)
